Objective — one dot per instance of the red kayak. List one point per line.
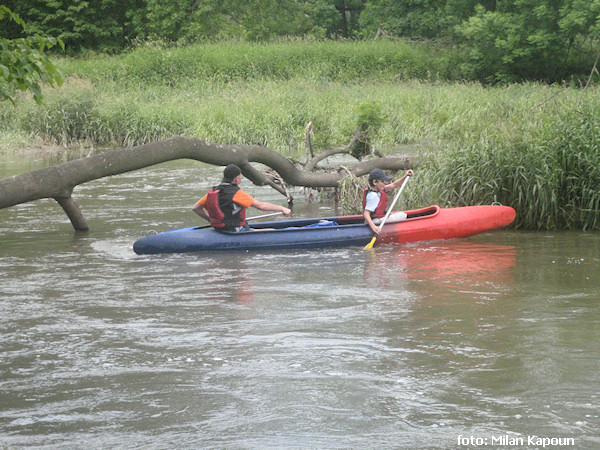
(433, 223)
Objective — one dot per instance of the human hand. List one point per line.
(409, 173)
(286, 211)
(376, 229)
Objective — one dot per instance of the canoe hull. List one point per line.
(447, 223)
(424, 224)
(209, 240)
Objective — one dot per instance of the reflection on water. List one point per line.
(443, 263)
(402, 347)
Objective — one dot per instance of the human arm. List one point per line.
(398, 182)
(199, 209)
(264, 206)
(371, 202)
(245, 201)
(367, 215)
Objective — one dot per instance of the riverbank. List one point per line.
(267, 93)
(532, 146)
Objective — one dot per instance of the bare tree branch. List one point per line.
(358, 133)
(58, 182)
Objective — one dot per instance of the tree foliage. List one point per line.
(413, 18)
(497, 41)
(24, 63)
(82, 25)
(527, 39)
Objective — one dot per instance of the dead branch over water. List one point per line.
(58, 182)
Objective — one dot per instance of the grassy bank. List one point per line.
(227, 62)
(549, 172)
(532, 146)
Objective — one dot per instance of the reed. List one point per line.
(532, 146)
(273, 113)
(549, 174)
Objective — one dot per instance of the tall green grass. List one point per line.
(274, 113)
(532, 146)
(549, 172)
(234, 61)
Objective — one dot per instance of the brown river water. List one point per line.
(490, 341)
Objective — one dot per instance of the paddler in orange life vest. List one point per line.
(224, 206)
(375, 199)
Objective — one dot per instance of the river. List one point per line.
(485, 341)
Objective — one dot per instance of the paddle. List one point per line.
(262, 216)
(370, 244)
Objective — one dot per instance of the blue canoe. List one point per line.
(423, 224)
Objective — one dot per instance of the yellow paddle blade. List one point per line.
(370, 244)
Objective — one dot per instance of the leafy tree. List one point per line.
(98, 25)
(178, 20)
(349, 14)
(264, 19)
(23, 62)
(504, 41)
(579, 20)
(461, 10)
(427, 19)
(407, 18)
(186, 21)
(526, 39)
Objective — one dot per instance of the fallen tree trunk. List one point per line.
(58, 182)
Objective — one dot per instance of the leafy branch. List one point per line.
(24, 64)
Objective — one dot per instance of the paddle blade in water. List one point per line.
(370, 244)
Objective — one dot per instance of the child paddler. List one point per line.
(375, 198)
